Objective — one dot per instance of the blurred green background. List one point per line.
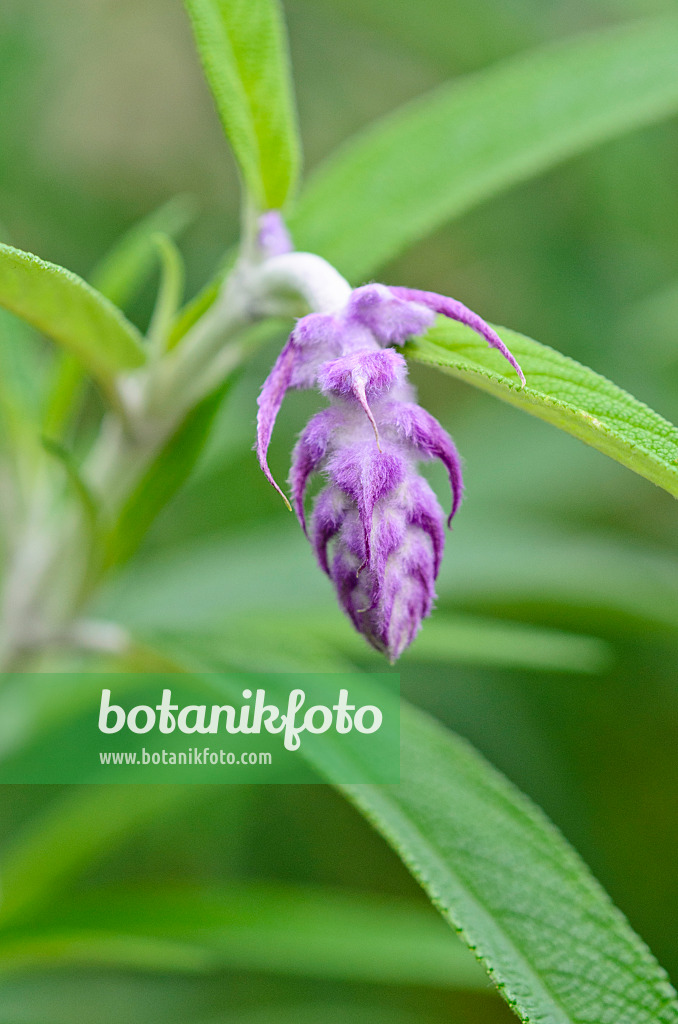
(105, 116)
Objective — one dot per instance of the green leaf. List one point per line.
(196, 586)
(121, 273)
(243, 50)
(86, 499)
(562, 392)
(86, 947)
(330, 1012)
(170, 293)
(21, 384)
(263, 645)
(69, 311)
(467, 640)
(21, 364)
(262, 927)
(589, 580)
(507, 881)
(81, 825)
(189, 315)
(65, 392)
(463, 143)
(165, 475)
(100, 997)
(455, 639)
(118, 276)
(555, 945)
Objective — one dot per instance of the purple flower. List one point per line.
(376, 527)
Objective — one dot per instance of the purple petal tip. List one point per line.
(456, 310)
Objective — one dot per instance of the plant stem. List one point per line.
(54, 564)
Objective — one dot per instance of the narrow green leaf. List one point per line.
(521, 898)
(196, 586)
(80, 825)
(554, 944)
(88, 502)
(455, 639)
(100, 997)
(21, 363)
(189, 315)
(562, 392)
(461, 144)
(65, 392)
(103, 997)
(170, 292)
(121, 273)
(21, 383)
(69, 311)
(257, 644)
(118, 276)
(330, 1012)
(262, 927)
(467, 640)
(583, 578)
(243, 50)
(163, 478)
(88, 947)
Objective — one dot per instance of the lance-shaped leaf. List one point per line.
(71, 312)
(563, 392)
(507, 881)
(118, 276)
(163, 477)
(170, 293)
(243, 50)
(88, 502)
(464, 142)
(80, 825)
(292, 930)
(519, 895)
(125, 268)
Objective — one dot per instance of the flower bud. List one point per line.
(377, 528)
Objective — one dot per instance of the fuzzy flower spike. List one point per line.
(377, 528)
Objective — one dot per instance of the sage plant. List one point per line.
(81, 482)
